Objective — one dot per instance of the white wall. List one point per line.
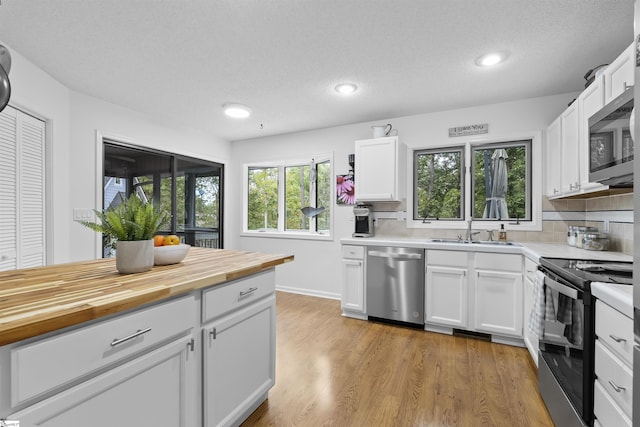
(72, 122)
(316, 267)
(90, 115)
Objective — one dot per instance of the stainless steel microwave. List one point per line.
(611, 143)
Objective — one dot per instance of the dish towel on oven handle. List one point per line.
(571, 313)
(543, 307)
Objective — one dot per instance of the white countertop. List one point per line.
(532, 250)
(617, 296)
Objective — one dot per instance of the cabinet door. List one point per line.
(446, 296)
(553, 145)
(570, 135)
(376, 174)
(498, 302)
(156, 389)
(530, 339)
(618, 76)
(239, 362)
(590, 101)
(353, 286)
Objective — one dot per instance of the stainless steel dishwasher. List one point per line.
(395, 284)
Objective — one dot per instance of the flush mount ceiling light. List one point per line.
(237, 111)
(346, 88)
(491, 59)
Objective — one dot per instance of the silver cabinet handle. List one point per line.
(247, 292)
(616, 387)
(139, 332)
(617, 339)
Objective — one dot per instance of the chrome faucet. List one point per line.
(470, 233)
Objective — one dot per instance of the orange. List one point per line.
(158, 240)
(171, 239)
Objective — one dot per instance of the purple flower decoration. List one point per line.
(345, 189)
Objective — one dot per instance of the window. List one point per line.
(439, 184)
(501, 181)
(499, 187)
(279, 195)
(189, 188)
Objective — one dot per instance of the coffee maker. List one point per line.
(364, 220)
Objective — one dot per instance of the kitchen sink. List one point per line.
(475, 242)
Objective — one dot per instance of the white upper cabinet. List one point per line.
(619, 74)
(570, 132)
(379, 170)
(553, 156)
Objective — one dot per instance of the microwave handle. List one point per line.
(565, 290)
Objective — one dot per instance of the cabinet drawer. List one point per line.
(606, 410)
(352, 252)
(52, 362)
(222, 299)
(613, 373)
(616, 330)
(447, 258)
(499, 262)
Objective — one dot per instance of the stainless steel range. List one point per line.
(566, 349)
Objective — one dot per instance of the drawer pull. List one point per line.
(616, 387)
(617, 339)
(247, 292)
(139, 332)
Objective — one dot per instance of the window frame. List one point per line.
(453, 148)
(535, 224)
(281, 231)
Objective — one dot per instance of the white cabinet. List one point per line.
(140, 368)
(619, 75)
(498, 294)
(613, 397)
(156, 389)
(553, 145)
(570, 137)
(353, 289)
(446, 289)
(380, 169)
(239, 341)
(530, 338)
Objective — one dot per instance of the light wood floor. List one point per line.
(337, 371)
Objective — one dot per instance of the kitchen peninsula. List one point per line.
(81, 343)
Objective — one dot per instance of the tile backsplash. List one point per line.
(612, 214)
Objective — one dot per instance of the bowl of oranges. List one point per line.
(168, 250)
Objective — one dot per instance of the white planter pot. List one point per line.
(134, 256)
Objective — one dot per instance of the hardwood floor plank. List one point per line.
(336, 371)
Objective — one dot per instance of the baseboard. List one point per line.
(301, 291)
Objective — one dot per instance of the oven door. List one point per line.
(562, 345)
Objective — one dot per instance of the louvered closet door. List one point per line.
(21, 190)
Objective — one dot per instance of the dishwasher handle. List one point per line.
(393, 255)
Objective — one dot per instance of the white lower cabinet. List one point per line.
(156, 389)
(446, 289)
(498, 294)
(239, 362)
(530, 338)
(475, 291)
(353, 289)
(205, 359)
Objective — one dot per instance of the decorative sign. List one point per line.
(469, 130)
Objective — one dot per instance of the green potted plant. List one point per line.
(130, 228)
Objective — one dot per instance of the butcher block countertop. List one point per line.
(38, 300)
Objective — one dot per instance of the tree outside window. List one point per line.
(438, 184)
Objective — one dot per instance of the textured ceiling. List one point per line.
(180, 60)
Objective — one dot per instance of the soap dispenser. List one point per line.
(502, 235)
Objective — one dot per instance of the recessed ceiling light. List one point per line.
(346, 88)
(237, 111)
(491, 59)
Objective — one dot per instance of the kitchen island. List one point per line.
(81, 342)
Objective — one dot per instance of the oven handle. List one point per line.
(565, 290)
